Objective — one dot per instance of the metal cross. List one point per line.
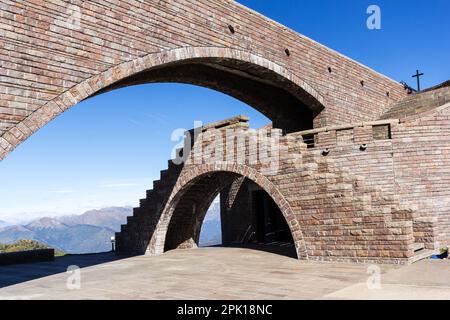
(418, 75)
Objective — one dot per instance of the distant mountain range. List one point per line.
(211, 233)
(87, 233)
(91, 232)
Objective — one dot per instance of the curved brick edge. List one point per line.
(13, 137)
(190, 175)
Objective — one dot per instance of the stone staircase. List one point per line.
(307, 178)
(135, 234)
(425, 235)
(419, 102)
(421, 253)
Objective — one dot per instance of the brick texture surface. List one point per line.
(56, 53)
(333, 213)
(364, 169)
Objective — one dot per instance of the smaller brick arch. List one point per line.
(189, 177)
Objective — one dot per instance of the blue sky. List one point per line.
(107, 150)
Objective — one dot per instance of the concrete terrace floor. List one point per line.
(221, 273)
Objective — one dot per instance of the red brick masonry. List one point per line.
(379, 188)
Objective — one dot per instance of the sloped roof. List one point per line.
(417, 103)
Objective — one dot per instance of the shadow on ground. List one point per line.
(222, 273)
(282, 249)
(15, 274)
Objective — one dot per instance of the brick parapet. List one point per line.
(334, 214)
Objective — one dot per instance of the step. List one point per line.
(150, 205)
(163, 174)
(421, 255)
(172, 166)
(156, 183)
(418, 246)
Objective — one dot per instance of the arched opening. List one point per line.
(115, 145)
(289, 107)
(211, 230)
(267, 87)
(250, 216)
(287, 100)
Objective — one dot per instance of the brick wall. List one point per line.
(50, 61)
(406, 160)
(422, 175)
(364, 150)
(359, 192)
(332, 213)
(235, 212)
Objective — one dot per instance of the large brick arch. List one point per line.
(119, 75)
(228, 173)
(52, 59)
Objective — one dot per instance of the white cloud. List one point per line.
(134, 122)
(61, 207)
(159, 118)
(119, 185)
(58, 201)
(62, 191)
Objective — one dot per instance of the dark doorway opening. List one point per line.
(271, 227)
(247, 216)
(251, 219)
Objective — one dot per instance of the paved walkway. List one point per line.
(221, 273)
